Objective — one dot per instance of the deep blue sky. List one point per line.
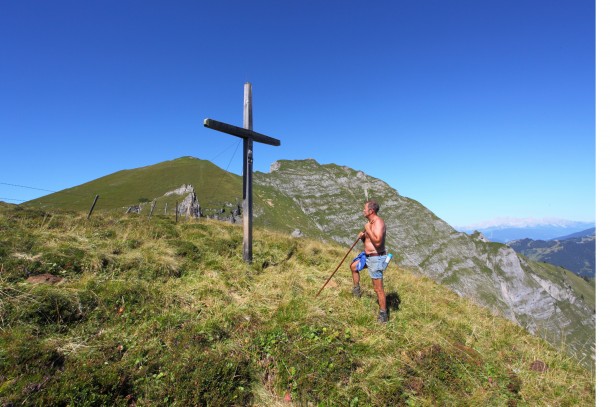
(477, 109)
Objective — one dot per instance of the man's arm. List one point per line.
(362, 235)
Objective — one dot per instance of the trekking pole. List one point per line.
(331, 276)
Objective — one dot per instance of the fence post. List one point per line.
(92, 206)
(176, 211)
(152, 208)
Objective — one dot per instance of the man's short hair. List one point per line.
(372, 205)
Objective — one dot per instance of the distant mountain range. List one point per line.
(575, 252)
(504, 230)
(584, 233)
(305, 198)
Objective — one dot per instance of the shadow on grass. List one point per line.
(393, 301)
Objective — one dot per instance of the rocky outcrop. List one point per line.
(190, 206)
(183, 189)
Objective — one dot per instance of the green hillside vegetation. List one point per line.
(215, 188)
(129, 311)
(130, 187)
(275, 211)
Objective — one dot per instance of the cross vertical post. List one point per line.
(249, 137)
(247, 187)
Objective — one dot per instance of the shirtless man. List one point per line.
(373, 257)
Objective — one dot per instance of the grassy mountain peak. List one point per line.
(145, 184)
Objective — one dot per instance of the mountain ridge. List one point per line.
(509, 222)
(504, 230)
(583, 233)
(575, 252)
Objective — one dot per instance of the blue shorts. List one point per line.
(376, 266)
(361, 259)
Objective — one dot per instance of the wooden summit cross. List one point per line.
(249, 137)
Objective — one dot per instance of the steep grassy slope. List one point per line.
(491, 274)
(158, 313)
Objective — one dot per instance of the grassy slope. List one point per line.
(278, 212)
(154, 313)
(128, 187)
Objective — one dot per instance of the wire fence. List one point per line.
(188, 205)
(12, 199)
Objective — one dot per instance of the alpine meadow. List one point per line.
(147, 301)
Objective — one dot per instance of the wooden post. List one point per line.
(152, 208)
(248, 160)
(176, 211)
(92, 206)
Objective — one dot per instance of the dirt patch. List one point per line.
(539, 366)
(45, 278)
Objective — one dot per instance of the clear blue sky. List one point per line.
(477, 109)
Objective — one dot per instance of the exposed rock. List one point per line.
(275, 166)
(479, 236)
(134, 209)
(184, 189)
(190, 206)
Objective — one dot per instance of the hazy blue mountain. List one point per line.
(575, 252)
(584, 233)
(542, 229)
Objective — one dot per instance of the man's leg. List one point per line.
(356, 277)
(378, 287)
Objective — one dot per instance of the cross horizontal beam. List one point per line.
(240, 132)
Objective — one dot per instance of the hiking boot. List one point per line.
(356, 291)
(383, 317)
